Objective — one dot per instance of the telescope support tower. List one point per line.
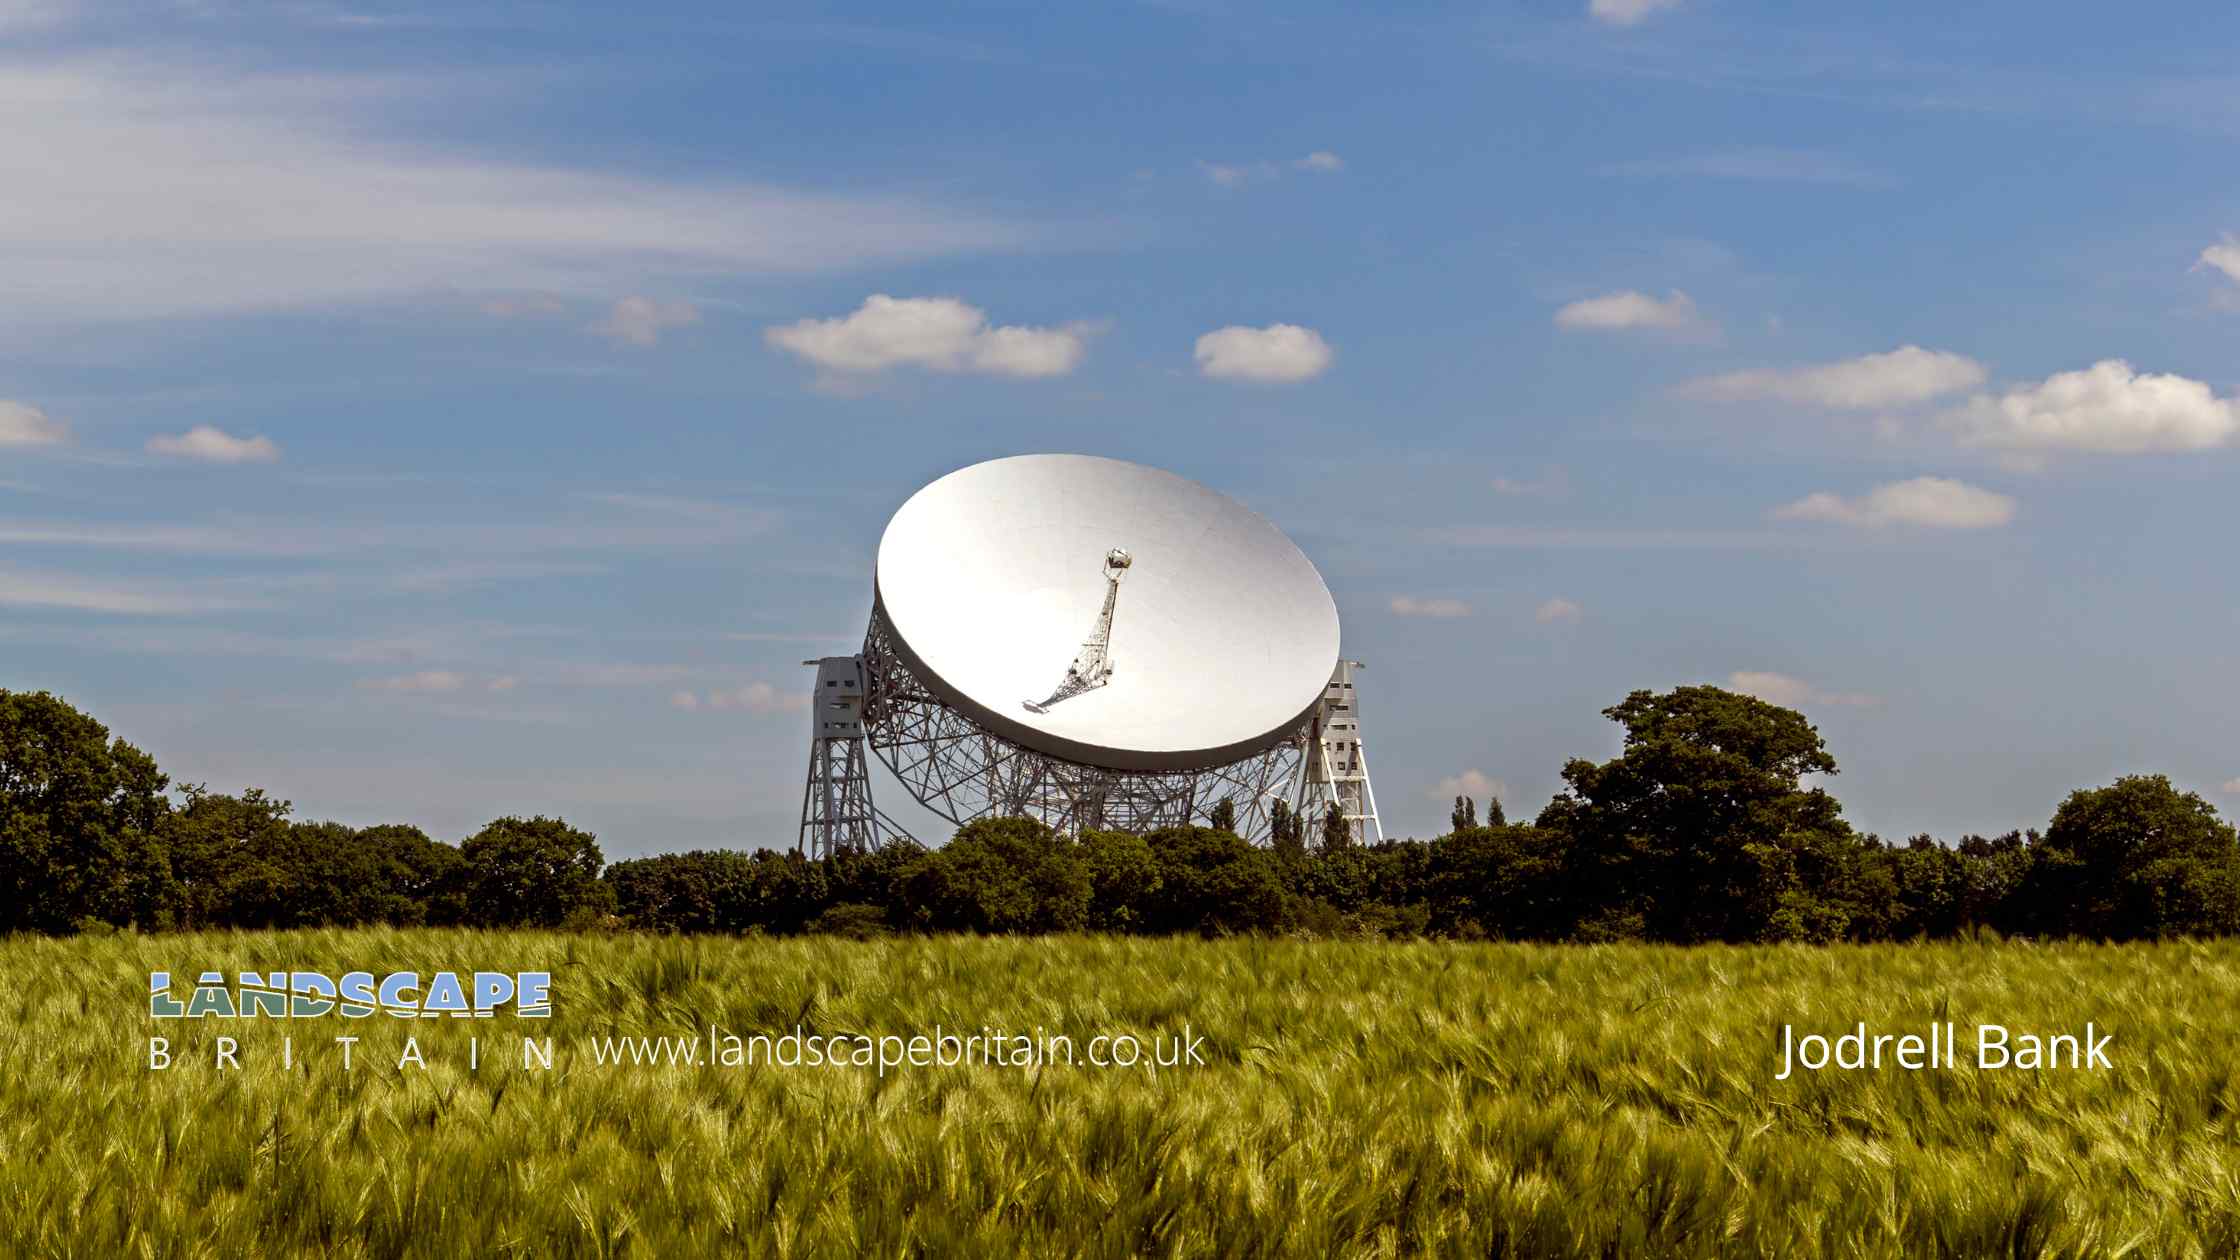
(837, 814)
(1335, 770)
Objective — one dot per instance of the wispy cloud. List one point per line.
(1411, 606)
(1553, 484)
(69, 591)
(212, 445)
(422, 682)
(1896, 378)
(22, 424)
(1563, 539)
(144, 185)
(754, 697)
(1631, 310)
(441, 682)
(646, 528)
(1238, 174)
(1627, 12)
(1791, 693)
(1558, 611)
(2224, 256)
(1475, 784)
(1781, 166)
(640, 321)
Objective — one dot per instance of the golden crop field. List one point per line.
(1353, 1099)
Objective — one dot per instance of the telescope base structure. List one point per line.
(1335, 774)
(961, 771)
(837, 815)
(873, 703)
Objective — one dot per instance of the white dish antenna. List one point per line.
(1002, 586)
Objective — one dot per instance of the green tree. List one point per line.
(1465, 815)
(1004, 875)
(1997, 873)
(1337, 833)
(1499, 882)
(79, 813)
(2136, 859)
(531, 872)
(417, 877)
(1123, 876)
(1283, 830)
(1212, 881)
(232, 860)
(1701, 830)
(1223, 815)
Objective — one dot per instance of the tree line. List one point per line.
(1705, 827)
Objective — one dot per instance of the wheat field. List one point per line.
(1356, 1098)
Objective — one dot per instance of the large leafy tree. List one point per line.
(1701, 829)
(1123, 876)
(79, 813)
(237, 861)
(1501, 882)
(1004, 875)
(2138, 858)
(1212, 881)
(531, 872)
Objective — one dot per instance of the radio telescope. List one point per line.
(1090, 642)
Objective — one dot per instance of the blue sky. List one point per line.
(435, 412)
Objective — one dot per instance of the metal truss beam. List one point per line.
(961, 771)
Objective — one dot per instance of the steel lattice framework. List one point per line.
(1336, 772)
(961, 771)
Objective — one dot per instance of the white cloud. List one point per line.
(1471, 783)
(939, 333)
(1790, 693)
(216, 446)
(640, 321)
(2232, 786)
(1896, 378)
(1557, 610)
(1930, 502)
(1029, 352)
(22, 424)
(2107, 409)
(505, 682)
(1409, 606)
(684, 700)
(1612, 312)
(1238, 174)
(139, 186)
(1626, 12)
(425, 682)
(1277, 354)
(2224, 256)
